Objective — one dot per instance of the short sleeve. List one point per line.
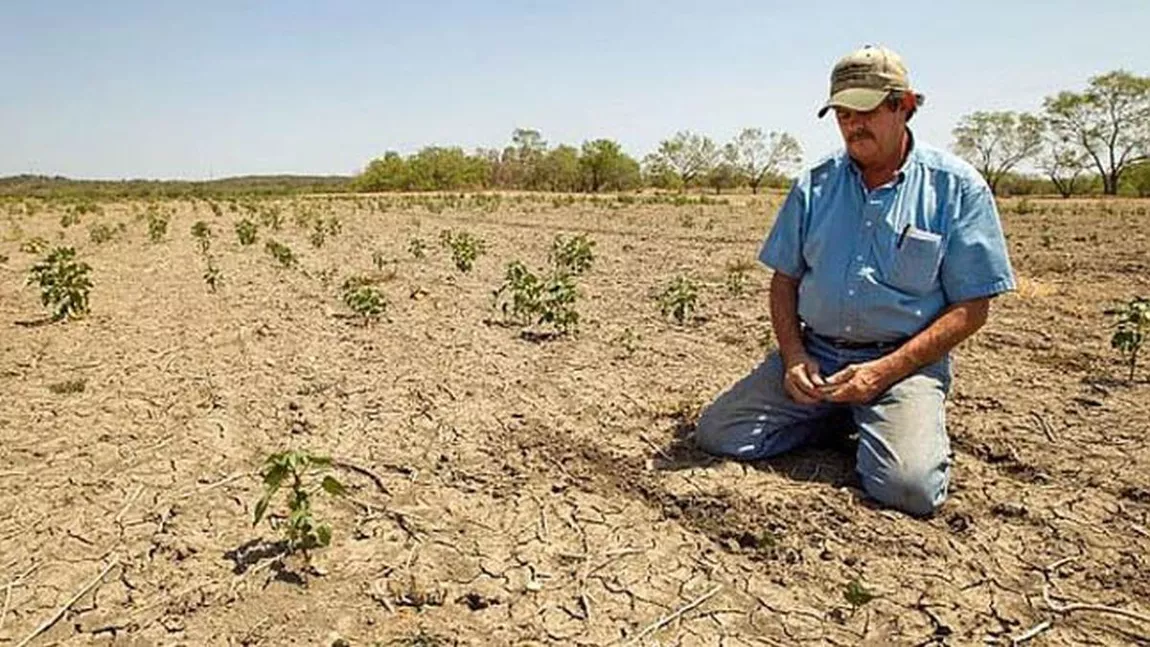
(975, 263)
(783, 248)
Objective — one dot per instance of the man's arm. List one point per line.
(801, 379)
(859, 383)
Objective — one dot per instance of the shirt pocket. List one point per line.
(916, 262)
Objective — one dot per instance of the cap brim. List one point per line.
(860, 99)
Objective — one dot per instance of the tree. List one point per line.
(1109, 122)
(687, 154)
(1063, 163)
(388, 173)
(526, 152)
(559, 169)
(757, 155)
(604, 165)
(995, 142)
(725, 174)
(441, 169)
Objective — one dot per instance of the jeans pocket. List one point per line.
(916, 261)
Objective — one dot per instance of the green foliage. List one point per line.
(361, 296)
(203, 235)
(737, 276)
(301, 470)
(417, 247)
(282, 253)
(68, 387)
(528, 298)
(604, 166)
(100, 233)
(1131, 326)
(157, 223)
(35, 245)
(246, 231)
(212, 276)
(69, 218)
(857, 595)
(573, 255)
(679, 299)
(271, 218)
(996, 142)
(465, 248)
(64, 283)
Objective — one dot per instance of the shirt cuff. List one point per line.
(775, 262)
(967, 293)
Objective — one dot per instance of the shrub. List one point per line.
(157, 223)
(246, 231)
(572, 255)
(282, 253)
(465, 248)
(361, 296)
(529, 299)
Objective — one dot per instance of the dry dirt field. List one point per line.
(542, 492)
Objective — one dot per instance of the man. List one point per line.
(885, 257)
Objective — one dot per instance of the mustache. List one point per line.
(860, 135)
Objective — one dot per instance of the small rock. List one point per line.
(1009, 509)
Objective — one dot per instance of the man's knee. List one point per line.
(917, 491)
(716, 432)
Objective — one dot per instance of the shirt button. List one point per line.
(868, 223)
(858, 258)
(850, 293)
(848, 329)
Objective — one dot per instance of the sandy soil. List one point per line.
(543, 492)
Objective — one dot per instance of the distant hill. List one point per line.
(44, 186)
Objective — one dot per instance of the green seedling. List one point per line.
(101, 233)
(465, 248)
(572, 255)
(857, 595)
(246, 231)
(35, 245)
(300, 470)
(737, 277)
(64, 283)
(679, 299)
(361, 296)
(528, 298)
(282, 253)
(203, 235)
(1131, 326)
(157, 223)
(212, 276)
(417, 248)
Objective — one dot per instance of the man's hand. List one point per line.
(802, 380)
(856, 384)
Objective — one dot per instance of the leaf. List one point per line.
(323, 534)
(333, 486)
(261, 508)
(320, 461)
(857, 595)
(273, 477)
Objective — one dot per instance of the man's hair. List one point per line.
(895, 99)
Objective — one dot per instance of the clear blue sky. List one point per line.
(160, 89)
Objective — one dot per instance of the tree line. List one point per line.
(1101, 134)
(753, 159)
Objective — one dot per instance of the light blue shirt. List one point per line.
(881, 264)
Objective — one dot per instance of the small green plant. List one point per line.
(282, 253)
(64, 283)
(35, 245)
(157, 223)
(212, 276)
(857, 595)
(528, 298)
(68, 387)
(246, 231)
(573, 255)
(299, 469)
(417, 248)
(203, 235)
(1132, 325)
(465, 248)
(679, 299)
(737, 276)
(361, 296)
(100, 233)
(69, 218)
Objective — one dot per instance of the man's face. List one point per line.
(872, 137)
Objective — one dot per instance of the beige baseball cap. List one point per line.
(862, 79)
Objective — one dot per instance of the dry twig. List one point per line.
(47, 624)
(1078, 606)
(666, 620)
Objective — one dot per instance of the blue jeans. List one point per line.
(903, 452)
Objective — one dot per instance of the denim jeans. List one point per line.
(903, 451)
